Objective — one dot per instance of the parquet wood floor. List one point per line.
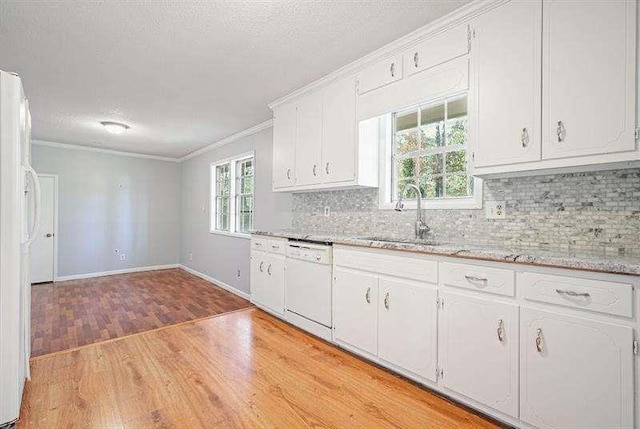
(240, 370)
(74, 313)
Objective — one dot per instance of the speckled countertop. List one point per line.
(590, 261)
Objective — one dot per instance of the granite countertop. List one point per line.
(579, 260)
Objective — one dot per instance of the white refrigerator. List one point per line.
(19, 220)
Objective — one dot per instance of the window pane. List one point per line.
(431, 186)
(432, 126)
(457, 122)
(407, 138)
(244, 195)
(456, 161)
(457, 185)
(430, 165)
(222, 213)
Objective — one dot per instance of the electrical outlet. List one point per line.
(191, 256)
(496, 210)
(327, 211)
(123, 257)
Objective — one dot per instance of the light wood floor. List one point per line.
(243, 369)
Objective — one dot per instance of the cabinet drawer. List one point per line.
(595, 295)
(275, 245)
(408, 266)
(259, 243)
(475, 277)
(380, 74)
(437, 50)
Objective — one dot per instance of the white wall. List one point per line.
(97, 215)
(218, 256)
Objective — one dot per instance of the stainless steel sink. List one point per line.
(402, 240)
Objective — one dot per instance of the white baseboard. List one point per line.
(114, 272)
(216, 282)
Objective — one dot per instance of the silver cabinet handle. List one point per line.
(367, 296)
(476, 279)
(524, 137)
(289, 173)
(573, 293)
(315, 169)
(274, 247)
(500, 330)
(386, 300)
(49, 235)
(392, 69)
(539, 345)
(326, 168)
(269, 269)
(415, 60)
(560, 132)
(261, 265)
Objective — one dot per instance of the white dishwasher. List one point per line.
(308, 290)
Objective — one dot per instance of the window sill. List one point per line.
(231, 234)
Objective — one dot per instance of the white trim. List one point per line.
(114, 272)
(55, 221)
(457, 16)
(232, 138)
(101, 150)
(231, 234)
(216, 282)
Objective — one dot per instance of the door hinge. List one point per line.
(637, 134)
(635, 347)
(439, 303)
(439, 373)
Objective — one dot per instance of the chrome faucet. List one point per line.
(421, 227)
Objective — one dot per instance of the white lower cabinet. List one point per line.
(407, 325)
(258, 280)
(267, 280)
(479, 350)
(575, 373)
(355, 309)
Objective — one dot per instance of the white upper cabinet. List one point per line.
(380, 74)
(339, 149)
(588, 77)
(506, 59)
(284, 145)
(575, 373)
(308, 153)
(437, 49)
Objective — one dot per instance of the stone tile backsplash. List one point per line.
(595, 211)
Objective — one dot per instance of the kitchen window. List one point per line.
(232, 195)
(427, 145)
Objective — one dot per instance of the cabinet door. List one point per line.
(274, 289)
(380, 74)
(437, 49)
(575, 373)
(505, 66)
(258, 278)
(284, 141)
(479, 350)
(339, 142)
(588, 77)
(308, 143)
(355, 309)
(407, 325)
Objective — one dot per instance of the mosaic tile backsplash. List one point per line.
(595, 211)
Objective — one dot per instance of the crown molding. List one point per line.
(230, 139)
(455, 17)
(101, 150)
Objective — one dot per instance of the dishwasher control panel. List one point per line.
(318, 253)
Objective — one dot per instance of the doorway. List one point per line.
(43, 252)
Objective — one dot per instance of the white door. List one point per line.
(258, 277)
(42, 249)
(284, 143)
(274, 291)
(309, 140)
(355, 309)
(339, 141)
(589, 78)
(479, 350)
(407, 325)
(506, 57)
(575, 373)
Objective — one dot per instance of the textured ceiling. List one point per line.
(184, 74)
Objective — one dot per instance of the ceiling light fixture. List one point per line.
(115, 127)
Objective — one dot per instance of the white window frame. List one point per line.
(233, 162)
(385, 194)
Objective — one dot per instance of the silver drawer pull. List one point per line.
(289, 174)
(573, 293)
(476, 279)
(524, 137)
(315, 170)
(367, 296)
(539, 345)
(274, 247)
(326, 168)
(269, 269)
(415, 60)
(386, 301)
(561, 132)
(500, 330)
(392, 69)
(261, 265)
